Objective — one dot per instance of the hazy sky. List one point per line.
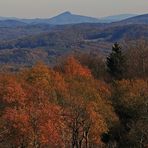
(48, 8)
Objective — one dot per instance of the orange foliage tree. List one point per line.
(73, 67)
(46, 108)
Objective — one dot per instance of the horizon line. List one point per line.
(15, 17)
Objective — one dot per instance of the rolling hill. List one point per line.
(11, 23)
(47, 46)
(116, 18)
(140, 19)
(69, 18)
(63, 18)
(27, 44)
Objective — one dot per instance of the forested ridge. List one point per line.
(84, 101)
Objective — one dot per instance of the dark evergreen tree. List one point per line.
(116, 63)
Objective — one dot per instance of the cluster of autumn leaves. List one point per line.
(66, 107)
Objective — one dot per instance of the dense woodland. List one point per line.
(84, 101)
(25, 45)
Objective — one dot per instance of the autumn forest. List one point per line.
(84, 101)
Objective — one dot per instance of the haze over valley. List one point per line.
(25, 41)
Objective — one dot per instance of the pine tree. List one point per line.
(116, 63)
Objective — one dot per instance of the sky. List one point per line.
(49, 8)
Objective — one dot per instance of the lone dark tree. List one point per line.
(116, 63)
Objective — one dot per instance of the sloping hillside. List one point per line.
(140, 19)
(28, 44)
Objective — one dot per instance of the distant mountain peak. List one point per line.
(69, 18)
(66, 13)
